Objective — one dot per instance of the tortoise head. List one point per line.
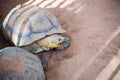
(56, 39)
(53, 41)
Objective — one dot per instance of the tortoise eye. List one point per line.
(59, 39)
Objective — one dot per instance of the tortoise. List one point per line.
(19, 64)
(35, 29)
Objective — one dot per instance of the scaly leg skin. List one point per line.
(44, 63)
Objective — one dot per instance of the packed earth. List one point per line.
(94, 29)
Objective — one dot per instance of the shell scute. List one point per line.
(26, 24)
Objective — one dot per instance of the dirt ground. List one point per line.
(94, 29)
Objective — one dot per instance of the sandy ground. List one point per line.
(94, 29)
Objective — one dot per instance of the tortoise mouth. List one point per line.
(64, 44)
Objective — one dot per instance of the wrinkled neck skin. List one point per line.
(41, 45)
(35, 48)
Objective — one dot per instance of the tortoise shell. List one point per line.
(26, 24)
(19, 64)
